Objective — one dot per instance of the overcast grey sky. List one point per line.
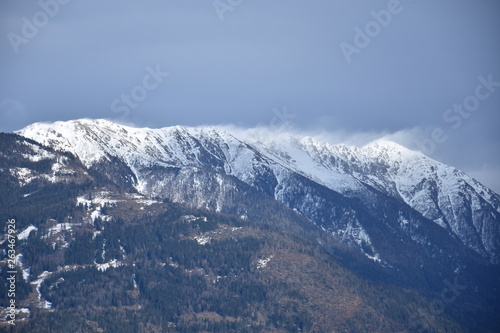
(351, 66)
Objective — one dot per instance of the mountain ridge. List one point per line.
(265, 159)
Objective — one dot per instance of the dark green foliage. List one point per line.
(81, 251)
(89, 287)
(39, 256)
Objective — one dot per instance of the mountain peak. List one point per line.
(390, 149)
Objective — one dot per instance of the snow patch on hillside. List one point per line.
(23, 235)
(113, 263)
(261, 263)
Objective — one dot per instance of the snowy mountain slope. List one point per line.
(168, 163)
(439, 192)
(269, 161)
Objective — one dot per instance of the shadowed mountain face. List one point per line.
(312, 236)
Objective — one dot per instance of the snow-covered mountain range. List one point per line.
(399, 191)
